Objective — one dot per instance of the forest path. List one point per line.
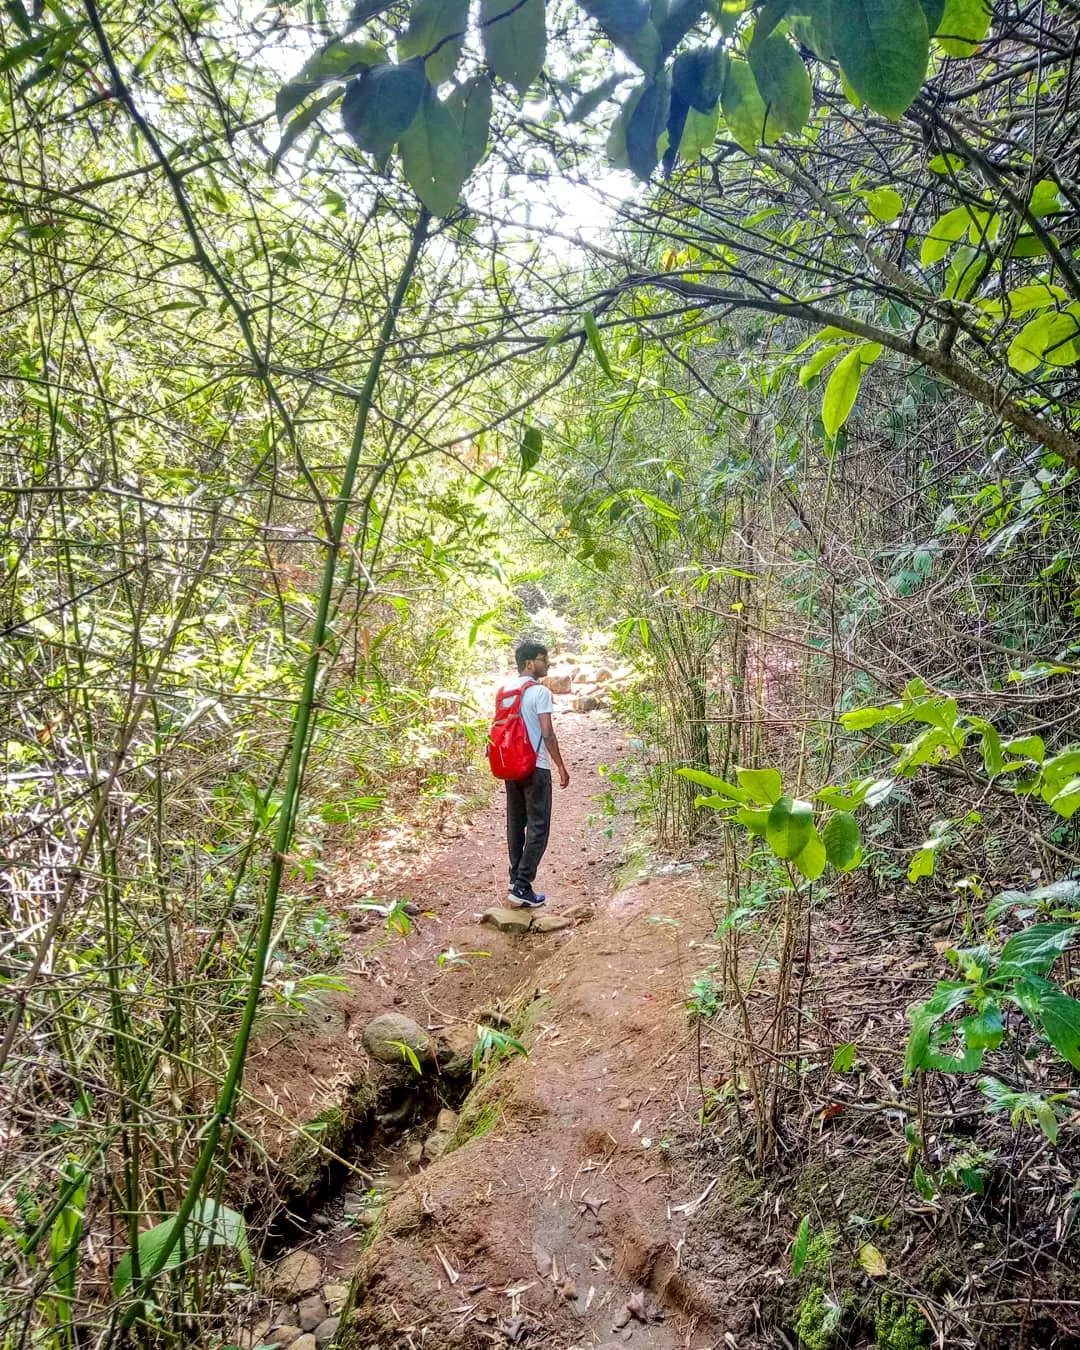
(555, 1220)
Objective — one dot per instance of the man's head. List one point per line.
(532, 659)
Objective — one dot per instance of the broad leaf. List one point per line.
(843, 841)
(630, 27)
(1035, 950)
(811, 859)
(209, 1225)
(820, 359)
(381, 105)
(789, 827)
(884, 204)
(336, 61)
(963, 26)
(883, 47)
(532, 446)
(1060, 1017)
(470, 104)
(744, 109)
(782, 82)
(763, 785)
(1052, 339)
(646, 125)
(843, 386)
(843, 1060)
(433, 156)
(438, 27)
(756, 822)
(984, 1029)
(719, 785)
(515, 39)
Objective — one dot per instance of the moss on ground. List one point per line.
(898, 1325)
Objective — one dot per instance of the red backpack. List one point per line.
(510, 752)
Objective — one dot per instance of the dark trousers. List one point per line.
(528, 824)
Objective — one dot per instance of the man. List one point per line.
(528, 801)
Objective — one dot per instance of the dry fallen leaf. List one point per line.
(872, 1261)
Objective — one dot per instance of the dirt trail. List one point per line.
(564, 1214)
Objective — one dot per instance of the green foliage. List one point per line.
(788, 826)
(899, 1325)
(1016, 975)
(209, 1225)
(819, 1320)
(493, 1045)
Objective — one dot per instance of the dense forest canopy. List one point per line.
(749, 331)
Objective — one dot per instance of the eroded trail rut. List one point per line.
(562, 1213)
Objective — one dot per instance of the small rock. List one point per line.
(581, 913)
(446, 1122)
(326, 1331)
(602, 674)
(295, 1274)
(320, 1221)
(558, 684)
(415, 1154)
(413, 911)
(306, 1342)
(551, 923)
(508, 920)
(525, 921)
(455, 1050)
(435, 1145)
(335, 1296)
(367, 1218)
(383, 1031)
(624, 1104)
(585, 703)
(286, 1335)
(311, 1312)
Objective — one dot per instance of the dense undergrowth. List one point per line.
(797, 425)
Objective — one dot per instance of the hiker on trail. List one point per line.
(522, 749)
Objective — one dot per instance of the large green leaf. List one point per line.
(382, 104)
(1053, 339)
(515, 39)
(209, 1225)
(811, 859)
(1060, 1018)
(629, 25)
(645, 127)
(470, 104)
(336, 61)
(1035, 950)
(944, 232)
(718, 785)
(678, 21)
(789, 826)
(843, 841)
(963, 26)
(883, 47)
(744, 109)
(438, 27)
(843, 386)
(984, 1029)
(433, 156)
(699, 132)
(782, 82)
(763, 785)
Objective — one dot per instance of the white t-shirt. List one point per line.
(534, 701)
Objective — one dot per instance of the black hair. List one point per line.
(528, 651)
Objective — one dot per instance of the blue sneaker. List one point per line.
(524, 897)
